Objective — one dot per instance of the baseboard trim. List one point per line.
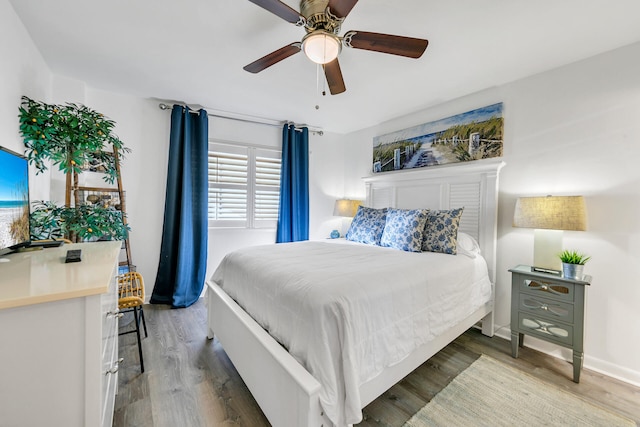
(592, 363)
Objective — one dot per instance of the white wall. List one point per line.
(568, 131)
(22, 72)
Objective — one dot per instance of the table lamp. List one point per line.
(549, 216)
(345, 208)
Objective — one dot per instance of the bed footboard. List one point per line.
(287, 394)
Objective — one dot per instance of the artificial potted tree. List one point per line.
(573, 264)
(71, 136)
(86, 222)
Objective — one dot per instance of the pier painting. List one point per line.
(474, 135)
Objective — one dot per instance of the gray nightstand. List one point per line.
(549, 307)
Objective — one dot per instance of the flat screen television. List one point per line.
(14, 201)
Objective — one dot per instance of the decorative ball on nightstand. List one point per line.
(334, 234)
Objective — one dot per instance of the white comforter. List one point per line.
(348, 311)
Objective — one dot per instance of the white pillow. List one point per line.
(467, 245)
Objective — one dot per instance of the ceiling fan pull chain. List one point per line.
(324, 81)
(319, 75)
(317, 86)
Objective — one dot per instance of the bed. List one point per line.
(280, 367)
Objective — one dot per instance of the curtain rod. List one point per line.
(256, 120)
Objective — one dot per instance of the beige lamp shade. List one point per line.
(346, 207)
(551, 213)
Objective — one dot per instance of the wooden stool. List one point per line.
(131, 298)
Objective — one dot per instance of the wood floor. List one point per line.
(190, 382)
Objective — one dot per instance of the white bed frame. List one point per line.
(288, 394)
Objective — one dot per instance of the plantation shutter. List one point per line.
(244, 186)
(228, 184)
(267, 188)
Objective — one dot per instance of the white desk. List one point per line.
(58, 337)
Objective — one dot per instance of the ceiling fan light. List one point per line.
(321, 47)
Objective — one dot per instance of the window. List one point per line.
(244, 186)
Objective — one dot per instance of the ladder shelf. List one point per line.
(111, 197)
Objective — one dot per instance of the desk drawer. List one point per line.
(546, 308)
(545, 328)
(554, 290)
(109, 385)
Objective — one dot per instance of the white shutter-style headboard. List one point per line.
(472, 185)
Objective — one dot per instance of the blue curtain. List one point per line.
(293, 214)
(183, 253)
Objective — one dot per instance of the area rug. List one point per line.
(489, 393)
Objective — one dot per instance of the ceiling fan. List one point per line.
(322, 20)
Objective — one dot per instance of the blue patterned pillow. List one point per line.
(367, 225)
(441, 231)
(404, 229)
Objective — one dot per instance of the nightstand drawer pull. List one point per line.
(549, 328)
(558, 309)
(559, 290)
(554, 289)
(546, 329)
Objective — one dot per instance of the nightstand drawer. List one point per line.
(548, 289)
(545, 328)
(546, 308)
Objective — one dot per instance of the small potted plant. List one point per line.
(573, 263)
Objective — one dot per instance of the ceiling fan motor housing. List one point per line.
(318, 16)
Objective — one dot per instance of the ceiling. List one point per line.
(193, 51)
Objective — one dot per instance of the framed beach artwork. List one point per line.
(474, 135)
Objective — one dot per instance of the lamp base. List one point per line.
(547, 245)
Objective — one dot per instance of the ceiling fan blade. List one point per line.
(386, 43)
(334, 77)
(273, 58)
(282, 10)
(341, 8)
